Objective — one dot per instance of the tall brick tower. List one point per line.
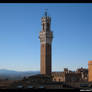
(89, 71)
(46, 37)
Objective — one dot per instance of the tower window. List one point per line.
(48, 26)
(43, 26)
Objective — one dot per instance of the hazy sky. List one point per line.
(20, 25)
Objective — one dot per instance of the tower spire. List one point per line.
(46, 12)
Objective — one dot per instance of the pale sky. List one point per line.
(20, 25)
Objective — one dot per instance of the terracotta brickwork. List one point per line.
(42, 62)
(46, 36)
(45, 59)
(89, 71)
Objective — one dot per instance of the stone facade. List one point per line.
(84, 74)
(66, 77)
(58, 76)
(72, 77)
(80, 75)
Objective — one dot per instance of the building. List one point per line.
(66, 76)
(46, 37)
(80, 75)
(72, 78)
(58, 76)
(84, 74)
(89, 71)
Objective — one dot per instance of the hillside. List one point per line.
(15, 75)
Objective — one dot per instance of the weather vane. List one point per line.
(46, 12)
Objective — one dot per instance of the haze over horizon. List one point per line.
(20, 25)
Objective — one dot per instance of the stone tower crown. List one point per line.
(46, 22)
(46, 35)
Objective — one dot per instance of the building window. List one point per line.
(43, 26)
(48, 26)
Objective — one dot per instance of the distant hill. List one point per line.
(16, 75)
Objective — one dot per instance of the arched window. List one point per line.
(48, 26)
